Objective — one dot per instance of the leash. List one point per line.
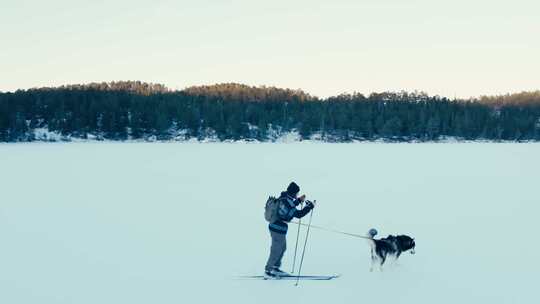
(413, 251)
(332, 230)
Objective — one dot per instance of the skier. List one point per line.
(288, 201)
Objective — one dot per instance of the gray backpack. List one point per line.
(271, 210)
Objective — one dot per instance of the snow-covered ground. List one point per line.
(178, 222)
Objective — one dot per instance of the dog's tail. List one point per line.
(370, 235)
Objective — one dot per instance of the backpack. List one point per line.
(271, 209)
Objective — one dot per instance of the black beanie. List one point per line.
(293, 189)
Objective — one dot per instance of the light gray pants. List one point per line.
(279, 245)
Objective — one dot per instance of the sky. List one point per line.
(457, 48)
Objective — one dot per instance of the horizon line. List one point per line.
(177, 88)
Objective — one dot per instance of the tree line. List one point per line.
(137, 110)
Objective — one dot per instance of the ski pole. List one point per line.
(304, 250)
(297, 237)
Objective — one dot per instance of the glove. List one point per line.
(310, 205)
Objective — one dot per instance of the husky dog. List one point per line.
(388, 246)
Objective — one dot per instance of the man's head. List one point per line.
(293, 189)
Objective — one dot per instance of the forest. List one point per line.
(134, 110)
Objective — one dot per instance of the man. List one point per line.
(278, 229)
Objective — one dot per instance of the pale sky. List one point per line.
(451, 48)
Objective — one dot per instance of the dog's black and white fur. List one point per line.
(388, 246)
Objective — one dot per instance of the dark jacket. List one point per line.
(286, 212)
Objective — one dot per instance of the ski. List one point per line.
(294, 277)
